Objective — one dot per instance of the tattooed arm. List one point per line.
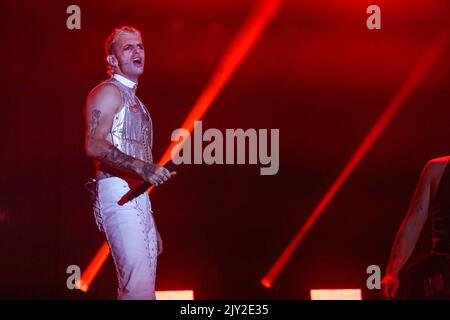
(409, 231)
(101, 106)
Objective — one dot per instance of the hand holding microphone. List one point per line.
(152, 174)
(156, 175)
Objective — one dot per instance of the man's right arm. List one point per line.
(101, 106)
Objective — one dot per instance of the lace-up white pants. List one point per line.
(131, 235)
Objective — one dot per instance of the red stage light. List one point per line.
(92, 269)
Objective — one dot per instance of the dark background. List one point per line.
(317, 73)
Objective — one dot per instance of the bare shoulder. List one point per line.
(435, 167)
(104, 96)
(439, 162)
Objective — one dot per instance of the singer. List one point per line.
(119, 139)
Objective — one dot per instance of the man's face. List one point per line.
(130, 55)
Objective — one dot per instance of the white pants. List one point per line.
(131, 235)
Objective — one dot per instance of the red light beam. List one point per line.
(91, 271)
(250, 32)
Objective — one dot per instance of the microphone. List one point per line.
(134, 193)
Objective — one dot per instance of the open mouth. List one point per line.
(137, 62)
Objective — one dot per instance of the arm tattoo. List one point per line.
(113, 157)
(148, 169)
(117, 159)
(94, 122)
